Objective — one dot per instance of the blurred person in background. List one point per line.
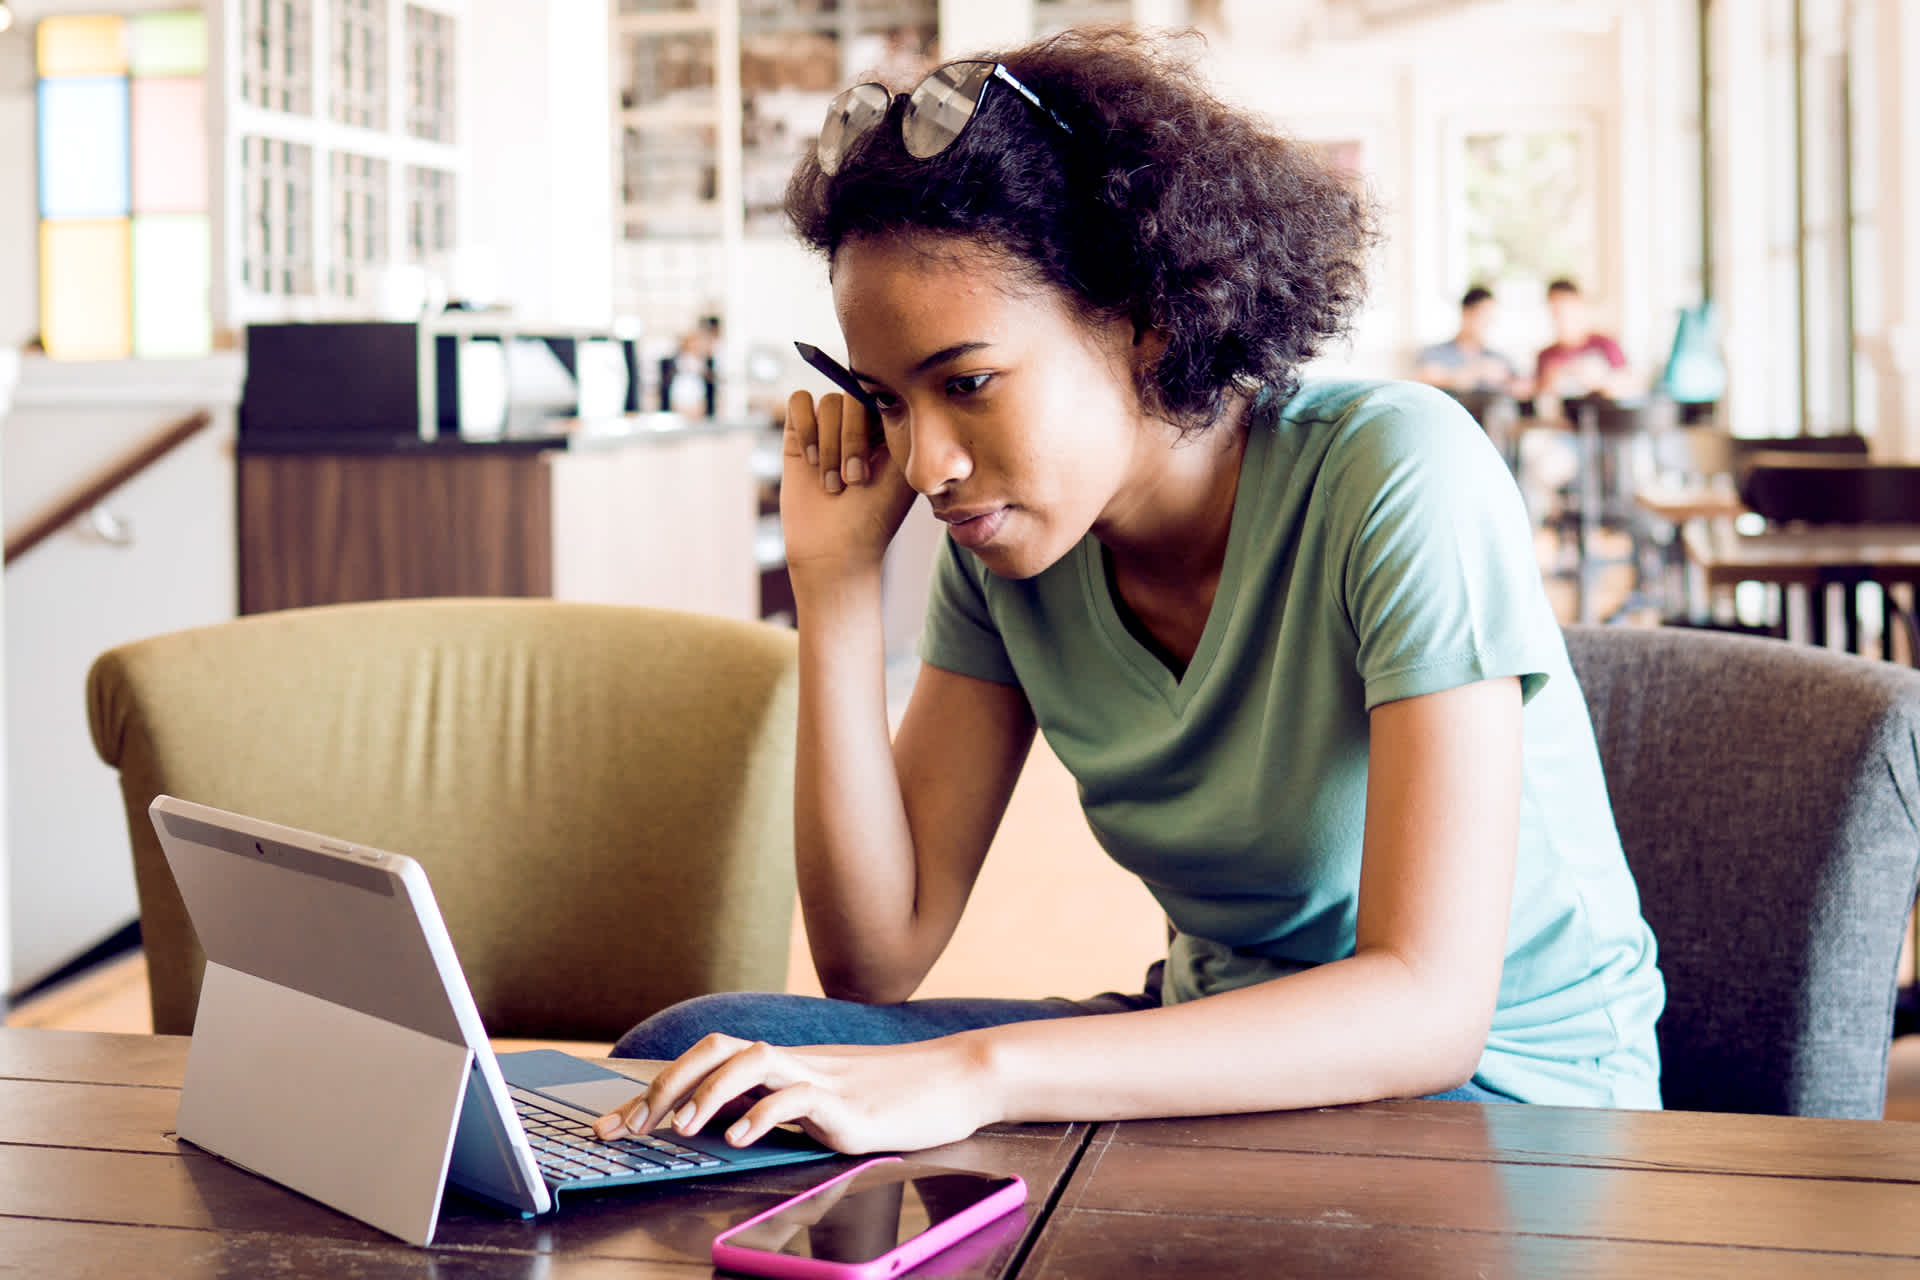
(1580, 361)
(1465, 362)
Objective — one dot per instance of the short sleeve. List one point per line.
(1440, 581)
(960, 635)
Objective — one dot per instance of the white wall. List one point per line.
(9, 368)
(71, 873)
(65, 874)
(535, 109)
(19, 259)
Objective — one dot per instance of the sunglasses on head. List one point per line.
(937, 112)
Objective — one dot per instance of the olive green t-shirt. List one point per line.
(1378, 550)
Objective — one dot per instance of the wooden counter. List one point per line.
(649, 510)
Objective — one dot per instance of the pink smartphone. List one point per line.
(876, 1219)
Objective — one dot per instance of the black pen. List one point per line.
(837, 373)
(843, 378)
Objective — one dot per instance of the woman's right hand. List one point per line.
(841, 497)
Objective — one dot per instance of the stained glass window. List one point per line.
(125, 248)
(86, 300)
(167, 44)
(169, 145)
(90, 46)
(172, 280)
(84, 147)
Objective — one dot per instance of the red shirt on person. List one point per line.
(1576, 363)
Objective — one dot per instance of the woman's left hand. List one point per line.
(853, 1098)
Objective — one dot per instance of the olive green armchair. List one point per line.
(602, 796)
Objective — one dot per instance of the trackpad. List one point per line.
(597, 1096)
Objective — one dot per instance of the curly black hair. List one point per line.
(1164, 206)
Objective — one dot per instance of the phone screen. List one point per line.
(870, 1214)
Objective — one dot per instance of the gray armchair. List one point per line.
(1768, 796)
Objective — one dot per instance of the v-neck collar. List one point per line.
(1178, 691)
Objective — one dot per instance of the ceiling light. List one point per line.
(6, 15)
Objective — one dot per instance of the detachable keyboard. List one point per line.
(567, 1150)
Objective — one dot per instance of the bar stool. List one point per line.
(1613, 440)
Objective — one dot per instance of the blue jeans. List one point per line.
(802, 1020)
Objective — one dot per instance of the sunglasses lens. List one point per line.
(850, 117)
(940, 108)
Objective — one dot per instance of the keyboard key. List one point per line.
(634, 1160)
(567, 1149)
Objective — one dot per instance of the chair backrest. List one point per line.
(1767, 795)
(1830, 489)
(1841, 443)
(601, 796)
(1486, 406)
(1613, 418)
(1703, 451)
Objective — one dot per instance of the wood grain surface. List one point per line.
(93, 1181)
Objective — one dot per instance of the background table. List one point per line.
(1814, 557)
(93, 1182)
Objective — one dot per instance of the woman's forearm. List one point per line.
(1351, 1031)
(852, 844)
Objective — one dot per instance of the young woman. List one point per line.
(1290, 640)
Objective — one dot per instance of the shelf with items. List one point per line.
(1050, 16)
(643, 10)
(671, 153)
(667, 105)
(713, 105)
(793, 59)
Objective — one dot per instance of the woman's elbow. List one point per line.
(1452, 1030)
(1454, 1049)
(865, 988)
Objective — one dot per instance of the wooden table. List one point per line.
(92, 1182)
(1811, 556)
(1682, 506)
(1678, 504)
(1438, 1190)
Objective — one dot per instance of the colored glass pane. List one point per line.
(169, 146)
(172, 278)
(83, 147)
(89, 46)
(167, 44)
(85, 294)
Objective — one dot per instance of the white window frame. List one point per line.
(236, 304)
